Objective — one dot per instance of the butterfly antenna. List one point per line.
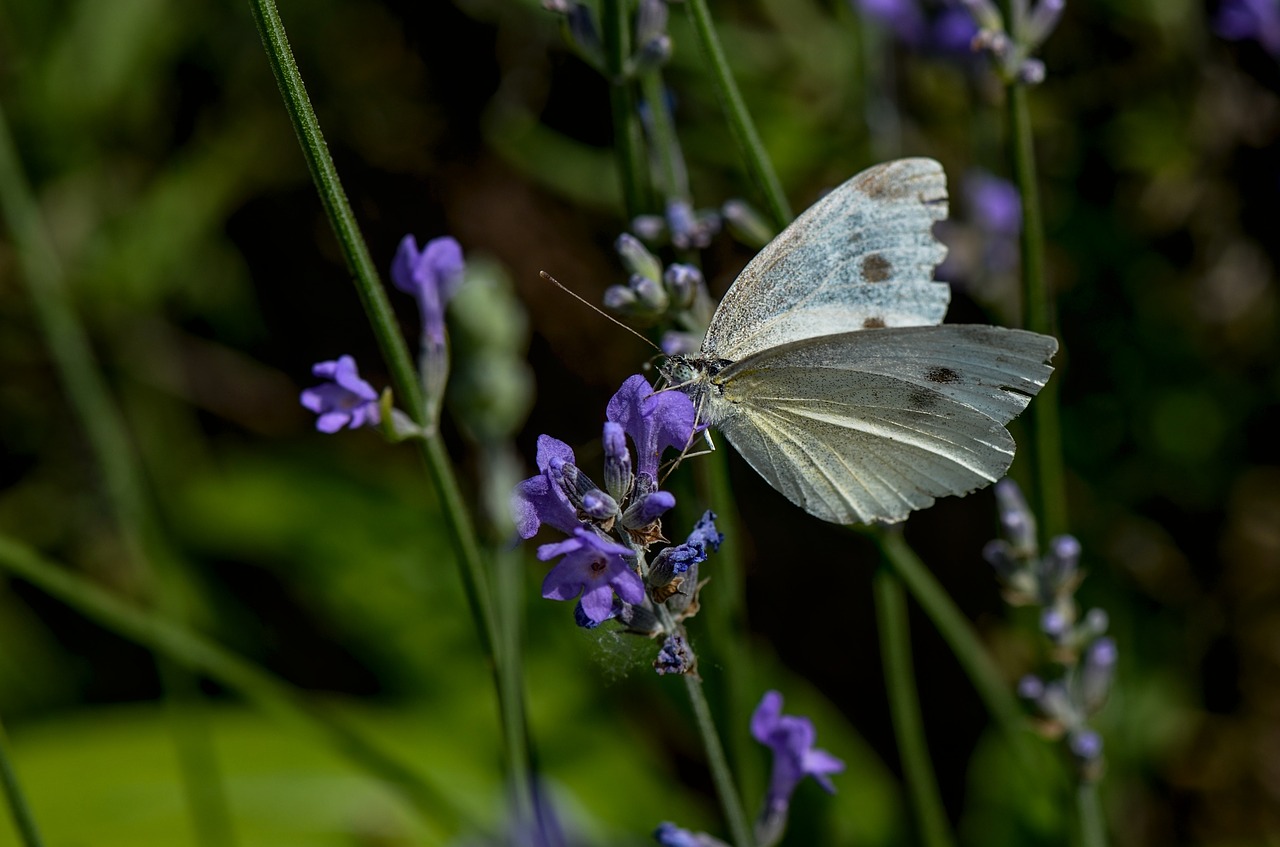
(592, 306)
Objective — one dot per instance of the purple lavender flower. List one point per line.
(670, 835)
(791, 740)
(654, 421)
(904, 17)
(994, 204)
(431, 275)
(540, 500)
(1256, 20)
(679, 558)
(675, 656)
(953, 31)
(347, 400)
(594, 568)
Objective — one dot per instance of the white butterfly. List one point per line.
(826, 366)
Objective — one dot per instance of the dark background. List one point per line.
(203, 266)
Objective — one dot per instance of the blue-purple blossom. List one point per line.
(680, 557)
(1250, 20)
(346, 400)
(431, 275)
(953, 31)
(675, 656)
(539, 500)
(904, 17)
(670, 835)
(994, 204)
(654, 421)
(791, 739)
(593, 568)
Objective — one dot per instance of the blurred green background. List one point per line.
(200, 260)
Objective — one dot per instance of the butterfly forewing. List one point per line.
(861, 257)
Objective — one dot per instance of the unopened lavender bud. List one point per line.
(584, 33)
(1055, 624)
(985, 14)
(621, 299)
(617, 461)
(681, 222)
(1056, 703)
(1095, 623)
(651, 297)
(1000, 556)
(648, 508)
(1063, 563)
(992, 41)
(653, 54)
(651, 228)
(682, 283)
(676, 343)
(1016, 519)
(637, 259)
(579, 489)
(1085, 745)
(675, 657)
(746, 224)
(598, 505)
(1031, 687)
(1031, 72)
(559, 7)
(651, 20)
(1096, 673)
(1041, 22)
(640, 620)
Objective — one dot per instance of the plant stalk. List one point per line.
(908, 726)
(741, 126)
(23, 821)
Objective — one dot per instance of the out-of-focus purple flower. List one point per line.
(431, 275)
(953, 31)
(539, 500)
(904, 17)
(670, 835)
(993, 203)
(791, 740)
(346, 400)
(1256, 20)
(653, 421)
(593, 568)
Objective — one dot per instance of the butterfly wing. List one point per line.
(869, 426)
(861, 257)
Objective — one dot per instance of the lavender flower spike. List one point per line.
(432, 276)
(653, 421)
(594, 568)
(791, 740)
(347, 400)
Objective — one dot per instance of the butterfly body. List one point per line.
(825, 365)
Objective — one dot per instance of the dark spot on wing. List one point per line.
(873, 323)
(876, 268)
(941, 375)
(922, 401)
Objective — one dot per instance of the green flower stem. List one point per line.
(726, 790)
(740, 123)
(114, 453)
(616, 34)
(404, 379)
(1037, 304)
(204, 656)
(23, 821)
(724, 612)
(955, 630)
(900, 683)
(1093, 829)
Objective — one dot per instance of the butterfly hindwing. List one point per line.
(869, 426)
